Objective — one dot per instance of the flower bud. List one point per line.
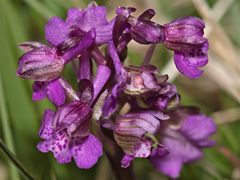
(146, 32)
(183, 33)
(131, 128)
(42, 64)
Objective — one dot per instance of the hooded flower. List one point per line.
(185, 37)
(45, 65)
(67, 131)
(184, 141)
(42, 64)
(145, 82)
(167, 97)
(66, 134)
(131, 132)
(141, 80)
(93, 17)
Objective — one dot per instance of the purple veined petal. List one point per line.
(56, 31)
(102, 76)
(187, 20)
(72, 114)
(183, 66)
(91, 17)
(86, 90)
(186, 35)
(198, 128)
(46, 129)
(55, 92)
(86, 151)
(150, 81)
(42, 64)
(95, 16)
(104, 33)
(128, 128)
(85, 66)
(74, 15)
(30, 45)
(147, 15)
(180, 151)
(147, 121)
(75, 117)
(80, 128)
(39, 91)
(59, 145)
(85, 43)
(126, 161)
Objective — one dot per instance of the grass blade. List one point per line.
(7, 130)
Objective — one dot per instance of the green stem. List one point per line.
(15, 161)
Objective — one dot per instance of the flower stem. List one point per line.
(15, 161)
(149, 54)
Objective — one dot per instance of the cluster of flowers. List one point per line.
(156, 126)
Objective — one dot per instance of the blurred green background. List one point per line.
(217, 92)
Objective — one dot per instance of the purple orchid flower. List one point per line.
(184, 36)
(45, 65)
(67, 131)
(93, 17)
(70, 39)
(184, 141)
(145, 82)
(130, 134)
(66, 134)
(42, 64)
(142, 132)
(141, 80)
